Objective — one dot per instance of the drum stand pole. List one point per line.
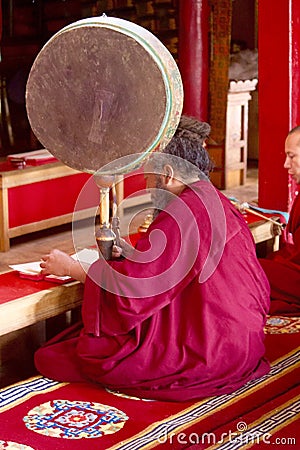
(104, 235)
(115, 221)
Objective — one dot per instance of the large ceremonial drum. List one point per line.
(101, 89)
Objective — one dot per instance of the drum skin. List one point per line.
(101, 89)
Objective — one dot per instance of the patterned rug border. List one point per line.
(15, 394)
(259, 427)
(149, 437)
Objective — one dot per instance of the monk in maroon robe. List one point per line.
(182, 315)
(283, 267)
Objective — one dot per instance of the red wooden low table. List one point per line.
(38, 197)
(44, 196)
(25, 302)
(262, 230)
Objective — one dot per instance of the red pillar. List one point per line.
(194, 55)
(294, 81)
(279, 97)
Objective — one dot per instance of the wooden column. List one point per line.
(194, 55)
(279, 97)
(220, 30)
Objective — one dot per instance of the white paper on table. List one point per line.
(30, 268)
(85, 256)
(40, 154)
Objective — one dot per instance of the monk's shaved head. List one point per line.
(296, 131)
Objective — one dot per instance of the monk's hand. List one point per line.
(57, 263)
(124, 249)
(116, 251)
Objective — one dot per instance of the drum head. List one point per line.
(101, 89)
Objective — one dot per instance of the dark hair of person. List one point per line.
(187, 144)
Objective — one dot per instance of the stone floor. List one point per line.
(249, 191)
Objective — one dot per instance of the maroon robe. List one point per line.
(283, 269)
(193, 332)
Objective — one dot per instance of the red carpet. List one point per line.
(41, 414)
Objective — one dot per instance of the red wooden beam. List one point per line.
(194, 55)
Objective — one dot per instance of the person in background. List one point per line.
(283, 266)
(182, 316)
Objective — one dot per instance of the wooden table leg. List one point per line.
(4, 238)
